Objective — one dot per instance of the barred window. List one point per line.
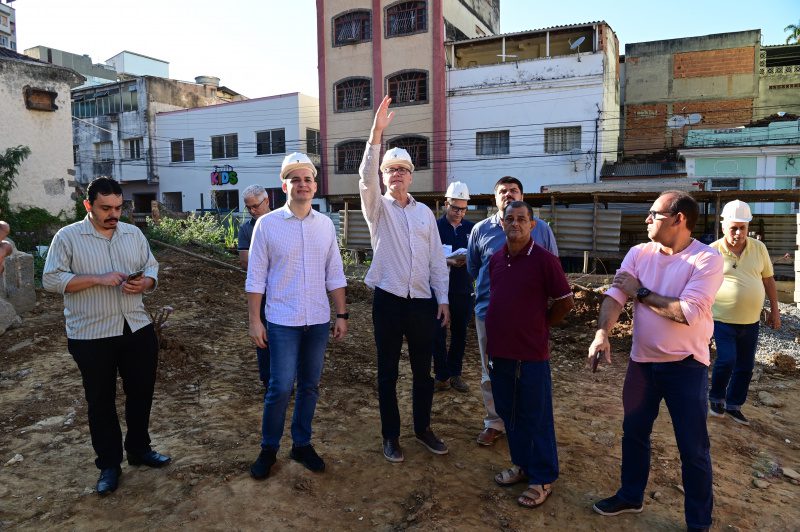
(348, 156)
(561, 139)
(352, 27)
(492, 143)
(353, 94)
(405, 18)
(408, 87)
(417, 148)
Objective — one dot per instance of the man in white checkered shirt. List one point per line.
(294, 259)
(408, 261)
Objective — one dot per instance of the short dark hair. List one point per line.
(508, 179)
(517, 205)
(103, 185)
(685, 204)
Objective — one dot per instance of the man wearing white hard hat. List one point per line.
(294, 259)
(748, 276)
(409, 276)
(454, 230)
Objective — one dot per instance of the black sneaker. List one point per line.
(260, 468)
(716, 410)
(432, 443)
(737, 416)
(615, 506)
(307, 456)
(391, 450)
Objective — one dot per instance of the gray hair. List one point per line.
(253, 191)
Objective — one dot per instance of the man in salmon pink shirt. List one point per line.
(673, 281)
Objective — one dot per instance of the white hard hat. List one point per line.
(397, 157)
(737, 211)
(296, 160)
(457, 190)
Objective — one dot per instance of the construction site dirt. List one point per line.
(207, 416)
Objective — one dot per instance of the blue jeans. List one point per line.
(524, 400)
(297, 352)
(393, 318)
(733, 369)
(683, 386)
(446, 363)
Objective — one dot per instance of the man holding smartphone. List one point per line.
(108, 329)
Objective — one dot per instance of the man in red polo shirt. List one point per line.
(523, 277)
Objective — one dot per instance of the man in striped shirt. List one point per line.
(294, 259)
(407, 262)
(102, 266)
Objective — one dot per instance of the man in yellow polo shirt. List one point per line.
(748, 275)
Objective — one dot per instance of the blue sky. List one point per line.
(266, 47)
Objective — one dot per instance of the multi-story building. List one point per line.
(369, 48)
(542, 106)
(207, 156)
(114, 128)
(35, 112)
(8, 26)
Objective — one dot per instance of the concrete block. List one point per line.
(16, 281)
(8, 316)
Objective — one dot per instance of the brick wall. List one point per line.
(714, 63)
(644, 128)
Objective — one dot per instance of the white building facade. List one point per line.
(207, 156)
(541, 106)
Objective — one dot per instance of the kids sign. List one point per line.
(224, 175)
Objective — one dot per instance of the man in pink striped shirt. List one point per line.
(407, 262)
(673, 281)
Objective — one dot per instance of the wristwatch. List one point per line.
(642, 293)
(345, 316)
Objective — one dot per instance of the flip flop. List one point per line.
(535, 495)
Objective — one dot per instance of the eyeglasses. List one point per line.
(456, 209)
(397, 170)
(666, 214)
(254, 207)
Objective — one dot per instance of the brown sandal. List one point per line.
(535, 495)
(510, 476)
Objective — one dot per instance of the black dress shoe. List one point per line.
(109, 480)
(149, 459)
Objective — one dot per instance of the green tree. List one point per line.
(9, 168)
(794, 33)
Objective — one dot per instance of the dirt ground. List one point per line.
(207, 413)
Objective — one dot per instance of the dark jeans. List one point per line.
(446, 363)
(262, 355)
(523, 398)
(683, 386)
(394, 317)
(733, 368)
(135, 357)
(298, 354)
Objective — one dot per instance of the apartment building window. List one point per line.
(225, 146)
(3, 40)
(103, 151)
(352, 27)
(133, 148)
(353, 94)
(108, 102)
(417, 148)
(182, 150)
(561, 139)
(313, 142)
(404, 18)
(270, 142)
(492, 143)
(408, 87)
(130, 99)
(348, 156)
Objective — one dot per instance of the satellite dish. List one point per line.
(677, 121)
(578, 42)
(694, 118)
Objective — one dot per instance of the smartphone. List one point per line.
(135, 275)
